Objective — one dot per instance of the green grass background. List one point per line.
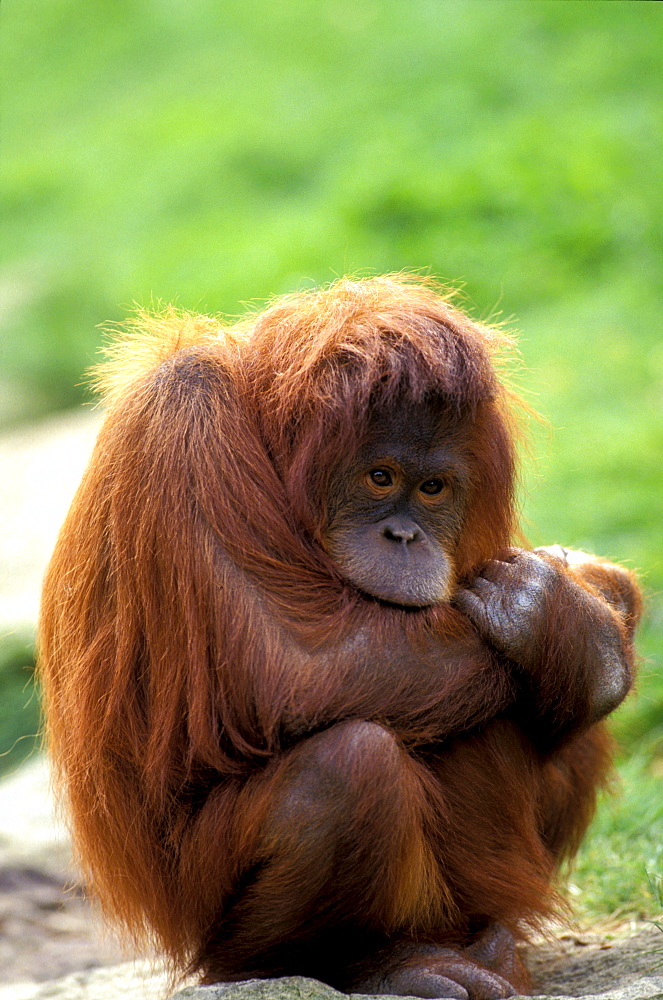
(213, 153)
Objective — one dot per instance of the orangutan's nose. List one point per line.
(403, 532)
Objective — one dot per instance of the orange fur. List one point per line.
(198, 648)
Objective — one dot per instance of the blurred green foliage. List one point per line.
(212, 153)
(19, 702)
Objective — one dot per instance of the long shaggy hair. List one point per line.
(192, 563)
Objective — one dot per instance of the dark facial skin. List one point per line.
(397, 510)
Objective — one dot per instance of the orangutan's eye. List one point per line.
(380, 477)
(432, 487)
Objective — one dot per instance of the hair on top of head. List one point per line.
(392, 333)
(314, 367)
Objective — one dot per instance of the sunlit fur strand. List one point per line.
(145, 340)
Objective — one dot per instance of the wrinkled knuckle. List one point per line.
(546, 573)
(612, 684)
(492, 567)
(468, 602)
(533, 568)
(527, 598)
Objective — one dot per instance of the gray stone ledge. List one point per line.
(133, 981)
(295, 988)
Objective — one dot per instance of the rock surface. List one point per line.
(134, 982)
(309, 989)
